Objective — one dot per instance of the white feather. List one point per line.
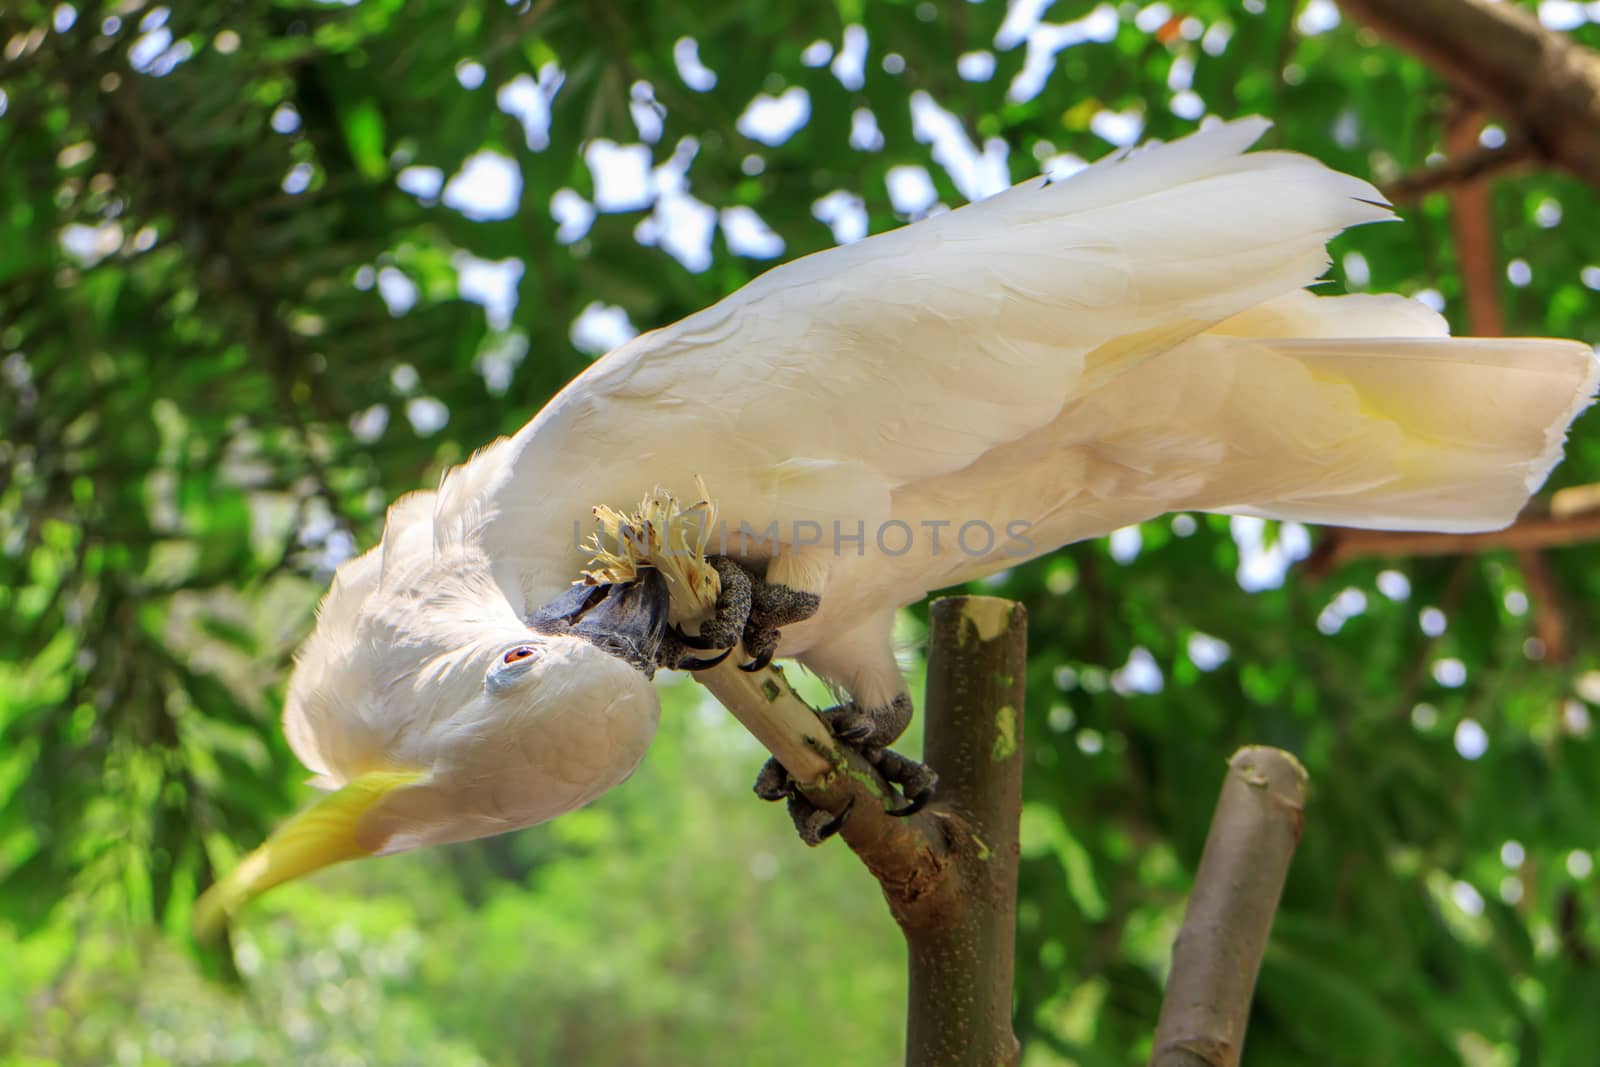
(914, 353)
(1072, 356)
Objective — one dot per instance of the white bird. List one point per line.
(908, 412)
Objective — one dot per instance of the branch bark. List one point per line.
(1539, 527)
(961, 952)
(1472, 222)
(949, 872)
(1218, 952)
(1479, 164)
(1545, 86)
(908, 856)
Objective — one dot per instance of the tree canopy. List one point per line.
(264, 267)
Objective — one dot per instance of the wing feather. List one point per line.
(915, 352)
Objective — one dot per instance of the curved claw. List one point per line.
(917, 781)
(835, 824)
(694, 641)
(854, 735)
(703, 664)
(757, 664)
(913, 804)
(814, 825)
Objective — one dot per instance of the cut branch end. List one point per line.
(1253, 836)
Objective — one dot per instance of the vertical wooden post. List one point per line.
(962, 943)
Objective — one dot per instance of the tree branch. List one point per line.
(949, 872)
(1242, 870)
(905, 855)
(1545, 86)
(1478, 165)
(1549, 613)
(1539, 526)
(962, 950)
(1472, 223)
(773, 712)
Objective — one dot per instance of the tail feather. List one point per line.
(1464, 429)
(1468, 427)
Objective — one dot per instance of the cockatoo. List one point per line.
(887, 418)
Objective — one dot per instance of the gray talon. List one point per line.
(761, 643)
(868, 730)
(834, 825)
(773, 605)
(915, 803)
(854, 735)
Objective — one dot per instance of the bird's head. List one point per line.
(435, 708)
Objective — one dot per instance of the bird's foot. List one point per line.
(868, 728)
(916, 781)
(749, 611)
(868, 731)
(814, 825)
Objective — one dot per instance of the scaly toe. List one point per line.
(916, 780)
(850, 724)
(814, 825)
(855, 735)
(773, 781)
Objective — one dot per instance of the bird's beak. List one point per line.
(324, 834)
(626, 620)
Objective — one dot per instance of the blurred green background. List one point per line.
(265, 266)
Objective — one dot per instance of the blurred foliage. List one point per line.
(240, 287)
(668, 920)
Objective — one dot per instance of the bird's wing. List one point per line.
(1352, 410)
(822, 386)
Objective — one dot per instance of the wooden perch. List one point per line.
(1218, 952)
(919, 860)
(903, 854)
(962, 942)
(949, 872)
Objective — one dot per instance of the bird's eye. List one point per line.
(518, 654)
